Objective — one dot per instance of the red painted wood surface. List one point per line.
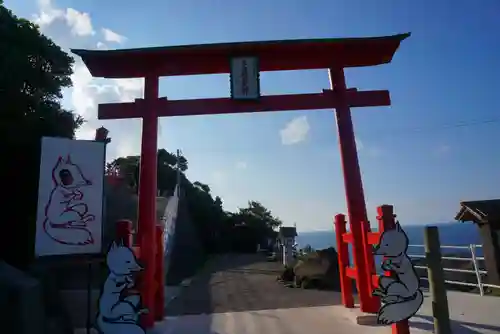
(348, 273)
(343, 256)
(159, 275)
(356, 206)
(147, 197)
(386, 218)
(385, 221)
(213, 58)
(373, 301)
(124, 232)
(164, 107)
(208, 59)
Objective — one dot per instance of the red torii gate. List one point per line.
(332, 54)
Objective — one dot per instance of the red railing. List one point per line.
(368, 302)
(124, 232)
(159, 274)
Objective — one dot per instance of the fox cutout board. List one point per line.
(119, 306)
(400, 294)
(70, 197)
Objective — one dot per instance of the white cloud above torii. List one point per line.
(79, 23)
(71, 28)
(295, 131)
(112, 37)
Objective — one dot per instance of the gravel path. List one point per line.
(234, 283)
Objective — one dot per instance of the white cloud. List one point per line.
(78, 22)
(359, 144)
(295, 131)
(101, 46)
(127, 147)
(241, 165)
(369, 150)
(113, 37)
(71, 28)
(88, 92)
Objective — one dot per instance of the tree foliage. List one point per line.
(217, 229)
(33, 72)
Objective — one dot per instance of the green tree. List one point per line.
(218, 202)
(253, 225)
(216, 229)
(166, 158)
(182, 163)
(202, 186)
(126, 167)
(261, 214)
(33, 72)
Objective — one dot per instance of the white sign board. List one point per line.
(70, 197)
(245, 78)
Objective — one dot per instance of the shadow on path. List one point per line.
(457, 327)
(245, 282)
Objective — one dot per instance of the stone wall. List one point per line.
(187, 253)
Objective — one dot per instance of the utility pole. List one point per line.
(178, 167)
(178, 186)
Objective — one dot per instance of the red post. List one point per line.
(147, 196)
(386, 222)
(374, 303)
(355, 198)
(159, 275)
(124, 232)
(384, 212)
(368, 251)
(343, 256)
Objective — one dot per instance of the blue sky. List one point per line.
(424, 154)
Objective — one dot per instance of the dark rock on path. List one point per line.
(318, 270)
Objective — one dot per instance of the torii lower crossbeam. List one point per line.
(164, 107)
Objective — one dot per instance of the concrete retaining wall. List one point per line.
(21, 302)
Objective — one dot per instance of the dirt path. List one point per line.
(234, 283)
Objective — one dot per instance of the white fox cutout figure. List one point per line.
(119, 312)
(66, 213)
(401, 295)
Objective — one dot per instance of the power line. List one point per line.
(441, 127)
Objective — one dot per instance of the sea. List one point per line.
(450, 234)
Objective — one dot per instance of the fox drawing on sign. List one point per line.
(400, 294)
(66, 213)
(119, 309)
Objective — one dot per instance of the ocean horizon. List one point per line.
(450, 234)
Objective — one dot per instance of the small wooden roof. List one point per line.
(479, 212)
(214, 58)
(287, 232)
